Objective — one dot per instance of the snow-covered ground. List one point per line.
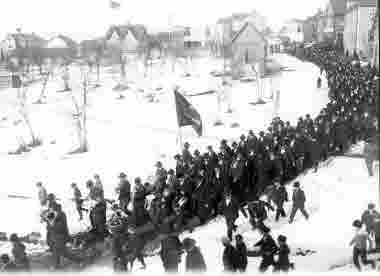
(130, 135)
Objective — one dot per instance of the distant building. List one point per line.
(248, 46)
(22, 45)
(92, 48)
(293, 29)
(335, 13)
(357, 26)
(125, 40)
(60, 46)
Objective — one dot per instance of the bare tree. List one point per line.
(80, 114)
(25, 115)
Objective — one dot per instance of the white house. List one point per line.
(293, 29)
(357, 26)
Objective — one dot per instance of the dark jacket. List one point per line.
(125, 190)
(195, 261)
(267, 246)
(230, 258)
(279, 195)
(283, 256)
(299, 198)
(242, 259)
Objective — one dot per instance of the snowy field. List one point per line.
(131, 134)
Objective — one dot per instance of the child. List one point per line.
(359, 242)
(241, 249)
(283, 263)
(19, 254)
(6, 264)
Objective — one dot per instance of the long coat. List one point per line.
(195, 261)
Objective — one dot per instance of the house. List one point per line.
(22, 45)
(60, 46)
(374, 40)
(357, 24)
(171, 39)
(248, 46)
(92, 48)
(228, 27)
(125, 40)
(335, 13)
(293, 29)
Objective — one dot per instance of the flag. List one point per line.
(114, 5)
(187, 115)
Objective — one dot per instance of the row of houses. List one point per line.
(352, 25)
(124, 39)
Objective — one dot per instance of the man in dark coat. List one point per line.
(241, 249)
(194, 258)
(78, 200)
(283, 263)
(368, 218)
(124, 190)
(268, 248)
(298, 202)
(171, 250)
(279, 197)
(59, 236)
(230, 256)
(229, 207)
(98, 219)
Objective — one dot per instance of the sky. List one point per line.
(83, 19)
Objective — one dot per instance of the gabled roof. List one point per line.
(236, 36)
(138, 31)
(32, 39)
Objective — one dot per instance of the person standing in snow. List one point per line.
(230, 256)
(283, 263)
(229, 207)
(268, 248)
(19, 255)
(359, 243)
(298, 202)
(369, 218)
(99, 185)
(279, 197)
(194, 258)
(6, 264)
(124, 190)
(42, 194)
(241, 248)
(78, 200)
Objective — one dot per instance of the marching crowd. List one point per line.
(227, 181)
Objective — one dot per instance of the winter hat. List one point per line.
(371, 206)
(13, 238)
(281, 238)
(187, 243)
(357, 223)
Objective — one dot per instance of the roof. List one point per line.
(365, 2)
(69, 42)
(138, 31)
(338, 6)
(244, 28)
(32, 39)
